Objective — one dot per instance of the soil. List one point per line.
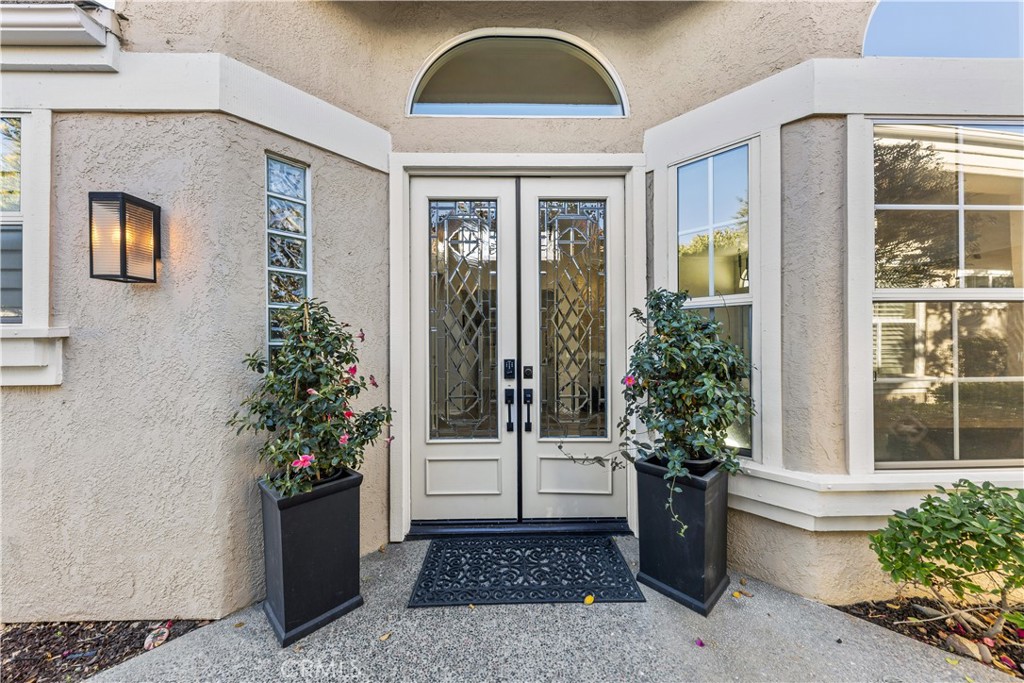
(47, 652)
(1009, 644)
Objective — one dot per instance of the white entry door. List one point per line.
(518, 342)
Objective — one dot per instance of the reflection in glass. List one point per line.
(732, 259)
(694, 211)
(573, 333)
(992, 159)
(913, 339)
(736, 326)
(10, 164)
(286, 179)
(993, 249)
(463, 329)
(10, 274)
(916, 248)
(915, 164)
(913, 421)
(991, 420)
(694, 264)
(989, 339)
(730, 185)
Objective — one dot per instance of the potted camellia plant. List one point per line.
(684, 388)
(306, 403)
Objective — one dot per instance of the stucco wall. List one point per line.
(837, 567)
(124, 494)
(813, 305)
(672, 57)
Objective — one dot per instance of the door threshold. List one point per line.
(438, 528)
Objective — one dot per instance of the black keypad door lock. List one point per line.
(528, 401)
(509, 368)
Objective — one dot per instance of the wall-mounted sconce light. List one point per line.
(124, 237)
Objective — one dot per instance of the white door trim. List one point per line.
(403, 166)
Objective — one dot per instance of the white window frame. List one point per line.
(31, 351)
(862, 293)
(748, 298)
(307, 237)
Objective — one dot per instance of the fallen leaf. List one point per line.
(1007, 661)
(383, 548)
(297, 648)
(951, 661)
(589, 599)
(1002, 667)
(472, 606)
(240, 624)
(968, 679)
(385, 636)
(892, 605)
(743, 582)
(699, 642)
(736, 594)
(749, 595)
(156, 638)
(988, 642)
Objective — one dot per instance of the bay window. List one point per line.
(948, 312)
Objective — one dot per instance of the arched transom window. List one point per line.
(517, 75)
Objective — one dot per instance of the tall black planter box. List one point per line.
(311, 554)
(689, 569)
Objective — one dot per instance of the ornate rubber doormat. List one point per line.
(500, 570)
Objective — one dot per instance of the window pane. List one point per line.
(10, 274)
(693, 264)
(993, 165)
(991, 420)
(732, 259)
(915, 164)
(286, 179)
(287, 288)
(10, 164)
(693, 196)
(286, 216)
(916, 248)
(730, 185)
(913, 339)
(913, 421)
(286, 252)
(993, 249)
(989, 339)
(736, 327)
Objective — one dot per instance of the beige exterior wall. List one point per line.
(363, 57)
(813, 305)
(124, 493)
(836, 567)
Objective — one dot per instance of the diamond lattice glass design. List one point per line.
(463, 302)
(573, 333)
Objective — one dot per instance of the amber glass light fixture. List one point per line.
(124, 237)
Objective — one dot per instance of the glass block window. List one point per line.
(948, 322)
(11, 289)
(713, 253)
(287, 241)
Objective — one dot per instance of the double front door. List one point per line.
(518, 346)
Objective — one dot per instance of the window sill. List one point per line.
(32, 356)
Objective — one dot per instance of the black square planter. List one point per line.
(311, 555)
(690, 569)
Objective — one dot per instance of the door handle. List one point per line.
(528, 401)
(510, 399)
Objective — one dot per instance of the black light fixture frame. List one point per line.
(122, 199)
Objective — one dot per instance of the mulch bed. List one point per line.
(72, 651)
(889, 613)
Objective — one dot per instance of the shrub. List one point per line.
(967, 545)
(305, 401)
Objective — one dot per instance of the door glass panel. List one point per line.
(463, 332)
(573, 336)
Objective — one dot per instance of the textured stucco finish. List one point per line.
(837, 567)
(125, 495)
(363, 57)
(813, 306)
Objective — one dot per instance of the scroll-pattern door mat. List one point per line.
(494, 570)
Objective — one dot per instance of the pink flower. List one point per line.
(362, 335)
(349, 414)
(629, 380)
(312, 392)
(304, 460)
(343, 440)
(699, 642)
(373, 381)
(389, 440)
(353, 370)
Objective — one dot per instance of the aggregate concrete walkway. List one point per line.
(773, 636)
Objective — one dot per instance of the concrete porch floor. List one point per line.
(773, 636)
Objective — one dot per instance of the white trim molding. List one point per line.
(204, 83)
(57, 37)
